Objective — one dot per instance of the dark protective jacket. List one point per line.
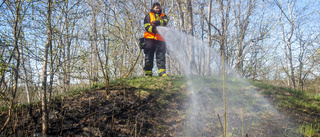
(151, 31)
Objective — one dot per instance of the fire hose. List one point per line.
(142, 44)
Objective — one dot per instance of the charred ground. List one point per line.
(135, 107)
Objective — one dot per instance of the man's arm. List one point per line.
(148, 26)
(162, 22)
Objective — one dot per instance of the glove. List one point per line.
(156, 22)
(154, 29)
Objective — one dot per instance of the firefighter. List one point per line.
(154, 41)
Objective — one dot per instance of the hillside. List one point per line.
(161, 107)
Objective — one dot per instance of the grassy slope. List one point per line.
(299, 106)
(304, 108)
(292, 99)
(164, 98)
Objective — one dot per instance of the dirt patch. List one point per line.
(123, 112)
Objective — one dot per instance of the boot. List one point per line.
(148, 73)
(162, 73)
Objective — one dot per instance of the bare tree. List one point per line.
(287, 38)
(221, 37)
(242, 22)
(307, 50)
(44, 71)
(18, 10)
(181, 15)
(193, 67)
(209, 40)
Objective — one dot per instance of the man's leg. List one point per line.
(161, 58)
(149, 56)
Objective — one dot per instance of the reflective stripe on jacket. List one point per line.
(149, 32)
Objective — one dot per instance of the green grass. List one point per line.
(295, 100)
(290, 98)
(155, 84)
(309, 130)
(164, 89)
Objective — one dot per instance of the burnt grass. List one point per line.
(96, 113)
(127, 110)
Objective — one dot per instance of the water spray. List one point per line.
(205, 94)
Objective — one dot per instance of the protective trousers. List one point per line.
(158, 47)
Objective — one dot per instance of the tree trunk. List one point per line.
(241, 33)
(66, 54)
(285, 53)
(209, 41)
(181, 15)
(287, 43)
(68, 42)
(106, 50)
(193, 67)
(94, 41)
(224, 27)
(25, 76)
(291, 64)
(16, 35)
(292, 26)
(44, 72)
(51, 71)
(201, 49)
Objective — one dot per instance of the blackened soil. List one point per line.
(130, 112)
(122, 112)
